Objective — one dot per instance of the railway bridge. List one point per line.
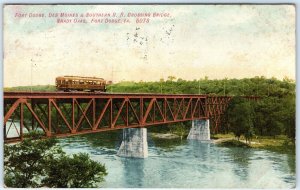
(61, 114)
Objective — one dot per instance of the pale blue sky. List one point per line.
(217, 41)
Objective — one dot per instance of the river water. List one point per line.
(185, 164)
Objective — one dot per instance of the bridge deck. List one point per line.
(89, 94)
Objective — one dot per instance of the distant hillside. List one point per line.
(257, 86)
(38, 88)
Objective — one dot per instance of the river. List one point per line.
(185, 164)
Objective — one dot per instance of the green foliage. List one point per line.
(259, 86)
(179, 129)
(38, 88)
(288, 116)
(268, 118)
(240, 115)
(77, 172)
(24, 162)
(37, 163)
(276, 116)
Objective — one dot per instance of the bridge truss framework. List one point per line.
(63, 114)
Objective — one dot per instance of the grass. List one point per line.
(222, 136)
(280, 144)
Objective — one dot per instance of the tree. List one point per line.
(77, 172)
(241, 118)
(179, 129)
(171, 78)
(24, 162)
(289, 117)
(37, 163)
(269, 117)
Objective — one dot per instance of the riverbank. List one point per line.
(279, 144)
(165, 135)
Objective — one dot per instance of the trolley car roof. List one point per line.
(79, 78)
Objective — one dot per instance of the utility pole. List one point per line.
(161, 81)
(243, 89)
(31, 73)
(112, 77)
(199, 91)
(31, 76)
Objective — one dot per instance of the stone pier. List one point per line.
(134, 143)
(200, 130)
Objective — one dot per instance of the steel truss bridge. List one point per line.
(63, 114)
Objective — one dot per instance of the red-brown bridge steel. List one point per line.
(63, 114)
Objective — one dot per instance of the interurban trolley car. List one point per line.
(77, 83)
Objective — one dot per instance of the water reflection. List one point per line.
(241, 159)
(291, 160)
(200, 149)
(109, 139)
(165, 144)
(134, 171)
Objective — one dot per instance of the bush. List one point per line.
(38, 163)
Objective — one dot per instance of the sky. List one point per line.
(188, 42)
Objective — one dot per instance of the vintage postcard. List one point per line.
(149, 95)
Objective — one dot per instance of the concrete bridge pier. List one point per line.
(200, 130)
(134, 143)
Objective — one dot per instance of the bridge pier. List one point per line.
(134, 143)
(200, 130)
